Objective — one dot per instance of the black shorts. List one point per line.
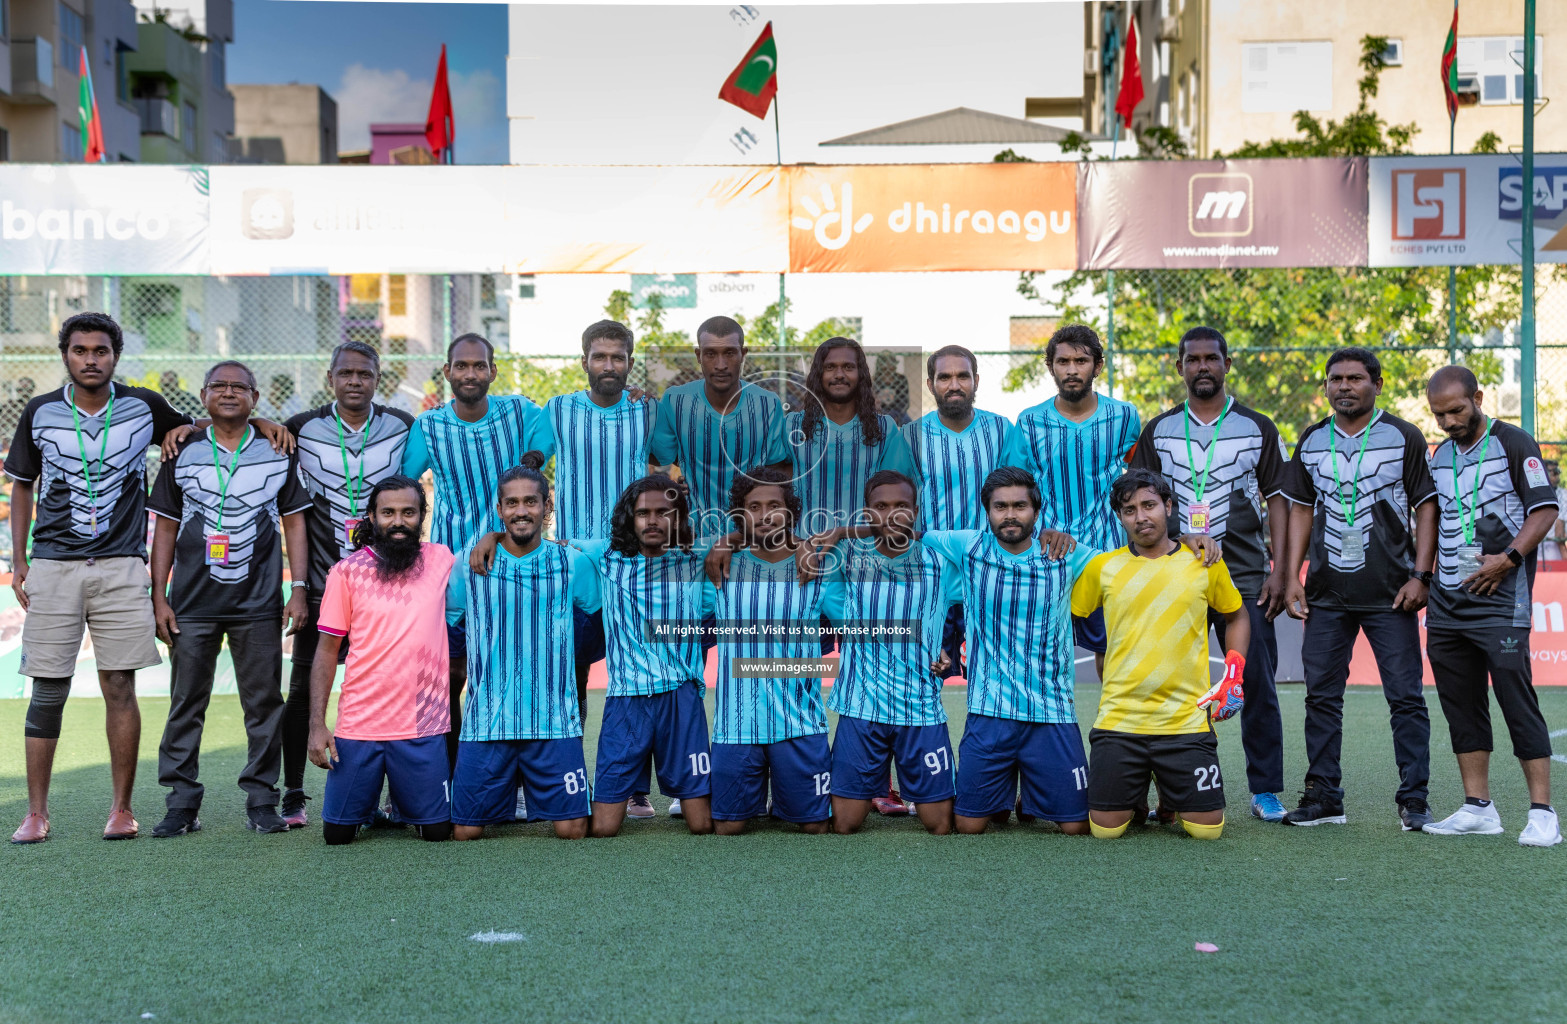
(1462, 662)
(309, 638)
(1185, 768)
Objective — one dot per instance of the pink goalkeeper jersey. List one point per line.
(395, 682)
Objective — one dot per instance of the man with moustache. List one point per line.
(650, 573)
(391, 595)
(1226, 464)
(599, 439)
(1076, 445)
(345, 448)
(467, 444)
(1496, 505)
(523, 726)
(218, 504)
(81, 451)
(712, 426)
(1357, 479)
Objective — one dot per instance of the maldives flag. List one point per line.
(1130, 92)
(87, 114)
(1450, 66)
(440, 125)
(752, 85)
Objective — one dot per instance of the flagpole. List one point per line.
(1452, 272)
(783, 337)
(1526, 321)
(1111, 88)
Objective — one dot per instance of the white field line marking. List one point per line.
(494, 936)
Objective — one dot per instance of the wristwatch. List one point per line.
(1513, 556)
(1423, 577)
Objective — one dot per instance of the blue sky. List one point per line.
(377, 60)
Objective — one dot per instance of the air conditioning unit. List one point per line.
(1170, 29)
(1091, 61)
(1509, 400)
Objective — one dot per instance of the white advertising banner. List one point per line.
(102, 219)
(1464, 210)
(646, 220)
(357, 219)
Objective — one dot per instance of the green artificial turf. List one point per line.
(1361, 922)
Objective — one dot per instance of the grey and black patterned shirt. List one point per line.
(1512, 485)
(260, 492)
(1393, 479)
(47, 453)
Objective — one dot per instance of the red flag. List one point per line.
(87, 114)
(1450, 66)
(1130, 92)
(753, 83)
(440, 127)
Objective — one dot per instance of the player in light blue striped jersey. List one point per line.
(955, 447)
(656, 598)
(599, 439)
(467, 444)
(523, 724)
(839, 438)
(1022, 723)
(889, 596)
(768, 728)
(714, 426)
(1076, 445)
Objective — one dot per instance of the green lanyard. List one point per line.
(1350, 500)
(103, 447)
(1200, 481)
(1467, 521)
(353, 486)
(223, 482)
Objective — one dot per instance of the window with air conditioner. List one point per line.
(1492, 66)
(1281, 78)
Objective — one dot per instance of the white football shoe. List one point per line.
(1543, 830)
(1468, 820)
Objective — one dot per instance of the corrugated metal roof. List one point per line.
(954, 127)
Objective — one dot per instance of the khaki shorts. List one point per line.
(112, 597)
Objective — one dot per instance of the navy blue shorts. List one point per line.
(414, 770)
(1089, 633)
(552, 773)
(862, 750)
(457, 640)
(952, 640)
(997, 754)
(800, 771)
(589, 634)
(668, 730)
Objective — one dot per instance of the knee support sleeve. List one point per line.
(1197, 831)
(1101, 832)
(435, 833)
(338, 835)
(46, 709)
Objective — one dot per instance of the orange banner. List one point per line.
(1547, 638)
(933, 217)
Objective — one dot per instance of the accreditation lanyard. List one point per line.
(103, 447)
(350, 483)
(1467, 518)
(1349, 499)
(1199, 508)
(218, 543)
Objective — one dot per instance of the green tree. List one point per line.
(1281, 323)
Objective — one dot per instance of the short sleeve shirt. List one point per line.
(1075, 465)
(598, 451)
(1247, 468)
(371, 454)
(832, 465)
(1385, 484)
(47, 452)
(396, 682)
(1512, 485)
(262, 488)
(951, 467)
(1156, 625)
(711, 447)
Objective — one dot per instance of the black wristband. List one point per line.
(1513, 556)
(1423, 577)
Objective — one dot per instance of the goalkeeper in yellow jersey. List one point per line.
(1155, 706)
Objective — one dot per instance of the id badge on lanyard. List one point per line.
(1353, 546)
(1198, 518)
(349, 526)
(217, 549)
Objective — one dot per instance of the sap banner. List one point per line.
(1464, 210)
(105, 219)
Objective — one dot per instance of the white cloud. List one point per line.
(367, 96)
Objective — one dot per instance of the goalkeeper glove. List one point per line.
(1224, 699)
